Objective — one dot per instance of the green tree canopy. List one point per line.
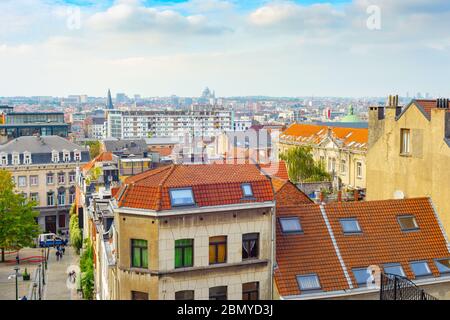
(302, 167)
(18, 226)
(94, 148)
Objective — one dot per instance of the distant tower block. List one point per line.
(109, 103)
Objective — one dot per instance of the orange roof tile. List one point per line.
(102, 157)
(287, 194)
(212, 185)
(275, 169)
(428, 105)
(382, 241)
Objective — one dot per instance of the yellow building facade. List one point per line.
(409, 153)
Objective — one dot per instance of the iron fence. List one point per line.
(394, 287)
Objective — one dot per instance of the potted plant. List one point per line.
(26, 276)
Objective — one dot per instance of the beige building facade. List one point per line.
(409, 153)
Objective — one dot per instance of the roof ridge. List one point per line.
(145, 175)
(160, 186)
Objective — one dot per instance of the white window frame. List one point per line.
(27, 158)
(359, 170)
(15, 158)
(4, 159)
(405, 136)
(23, 179)
(55, 156)
(77, 155)
(66, 156)
(31, 180)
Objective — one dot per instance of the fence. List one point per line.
(36, 291)
(394, 287)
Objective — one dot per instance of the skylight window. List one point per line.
(408, 223)
(308, 282)
(350, 225)
(290, 225)
(420, 268)
(247, 190)
(395, 269)
(443, 265)
(361, 276)
(181, 197)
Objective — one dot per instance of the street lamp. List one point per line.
(16, 268)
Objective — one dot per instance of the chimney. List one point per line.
(339, 196)
(442, 103)
(392, 104)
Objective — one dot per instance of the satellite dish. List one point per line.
(399, 195)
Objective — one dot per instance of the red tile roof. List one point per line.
(275, 169)
(314, 134)
(428, 105)
(382, 241)
(212, 185)
(102, 157)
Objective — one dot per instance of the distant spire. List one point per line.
(109, 103)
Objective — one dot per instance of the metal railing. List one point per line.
(39, 280)
(394, 287)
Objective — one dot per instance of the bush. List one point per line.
(76, 237)
(87, 271)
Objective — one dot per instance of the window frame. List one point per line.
(142, 248)
(319, 288)
(360, 284)
(184, 291)
(23, 179)
(359, 170)
(400, 217)
(359, 231)
(280, 219)
(225, 296)
(394, 264)
(247, 242)
(216, 245)
(51, 203)
(436, 261)
(430, 273)
(405, 146)
(243, 187)
(247, 294)
(183, 251)
(183, 204)
(31, 180)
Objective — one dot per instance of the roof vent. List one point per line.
(442, 103)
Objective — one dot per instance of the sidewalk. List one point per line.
(56, 283)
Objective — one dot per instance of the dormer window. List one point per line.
(55, 156)
(26, 158)
(15, 158)
(4, 159)
(247, 190)
(66, 156)
(181, 197)
(77, 155)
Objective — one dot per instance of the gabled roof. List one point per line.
(381, 242)
(102, 157)
(287, 193)
(42, 144)
(314, 134)
(212, 185)
(425, 106)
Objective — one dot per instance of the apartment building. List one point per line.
(342, 150)
(409, 153)
(145, 124)
(192, 232)
(44, 169)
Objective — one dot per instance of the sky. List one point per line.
(347, 48)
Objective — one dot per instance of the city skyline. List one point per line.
(269, 48)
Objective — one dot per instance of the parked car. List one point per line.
(50, 240)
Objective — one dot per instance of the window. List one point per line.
(250, 246)
(139, 254)
(15, 158)
(22, 181)
(77, 155)
(218, 293)
(217, 250)
(184, 253)
(361, 276)
(359, 170)
(290, 225)
(50, 199)
(72, 196)
(34, 197)
(420, 268)
(350, 225)
(34, 180)
(26, 158)
(247, 190)
(394, 268)
(250, 291)
(343, 166)
(184, 295)
(62, 197)
(308, 282)
(61, 178)
(136, 295)
(55, 156)
(181, 197)
(4, 159)
(404, 145)
(50, 179)
(72, 177)
(443, 265)
(408, 223)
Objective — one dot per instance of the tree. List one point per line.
(76, 237)
(18, 226)
(87, 271)
(302, 167)
(94, 148)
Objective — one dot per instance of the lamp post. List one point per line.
(40, 287)
(16, 268)
(43, 267)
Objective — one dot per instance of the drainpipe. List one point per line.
(272, 253)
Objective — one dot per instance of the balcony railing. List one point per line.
(394, 287)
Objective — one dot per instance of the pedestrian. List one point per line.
(63, 249)
(60, 254)
(17, 259)
(57, 255)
